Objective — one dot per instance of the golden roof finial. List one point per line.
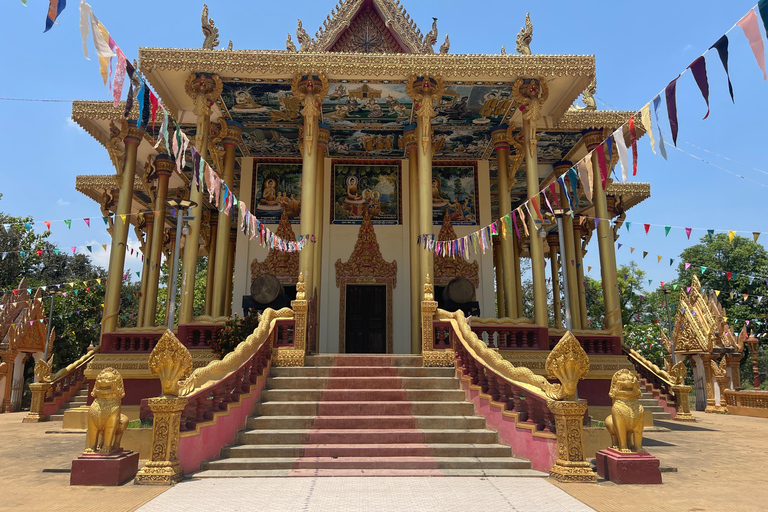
(210, 31)
(525, 36)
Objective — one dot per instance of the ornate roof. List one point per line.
(366, 259)
(449, 267)
(283, 265)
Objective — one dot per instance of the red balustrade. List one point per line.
(530, 407)
(283, 334)
(593, 344)
(443, 336)
(129, 342)
(513, 337)
(198, 335)
(70, 382)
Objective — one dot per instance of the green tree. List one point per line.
(201, 278)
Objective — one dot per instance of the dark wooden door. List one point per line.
(366, 329)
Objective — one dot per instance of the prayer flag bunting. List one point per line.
(656, 102)
(54, 10)
(47, 224)
(645, 118)
(647, 227)
(658, 259)
(710, 232)
(703, 269)
(688, 232)
(721, 45)
(669, 93)
(621, 144)
(751, 29)
(699, 69)
(631, 250)
(687, 265)
(633, 141)
(666, 230)
(68, 222)
(645, 253)
(87, 221)
(731, 234)
(671, 261)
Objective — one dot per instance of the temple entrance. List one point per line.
(366, 329)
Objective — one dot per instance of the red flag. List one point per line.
(153, 101)
(603, 167)
(633, 139)
(647, 227)
(553, 190)
(729, 274)
(40, 252)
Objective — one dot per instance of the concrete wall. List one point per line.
(339, 241)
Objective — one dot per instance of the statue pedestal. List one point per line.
(36, 415)
(115, 468)
(628, 468)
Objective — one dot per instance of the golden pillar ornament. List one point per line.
(324, 135)
(677, 375)
(230, 138)
(165, 166)
(506, 240)
(568, 254)
(204, 89)
(125, 175)
(411, 147)
(553, 240)
(612, 321)
(209, 281)
(499, 275)
(39, 389)
(171, 362)
(310, 88)
(230, 272)
(530, 95)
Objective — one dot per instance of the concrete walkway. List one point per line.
(369, 494)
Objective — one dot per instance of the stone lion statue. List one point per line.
(625, 424)
(105, 422)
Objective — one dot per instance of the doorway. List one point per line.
(366, 319)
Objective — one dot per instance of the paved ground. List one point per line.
(25, 451)
(721, 460)
(369, 494)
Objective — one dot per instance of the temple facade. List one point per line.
(365, 139)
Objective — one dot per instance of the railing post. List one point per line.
(683, 413)
(430, 356)
(294, 355)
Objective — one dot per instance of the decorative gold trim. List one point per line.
(446, 268)
(593, 119)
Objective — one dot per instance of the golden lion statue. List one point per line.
(104, 417)
(625, 424)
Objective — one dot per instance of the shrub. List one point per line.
(233, 332)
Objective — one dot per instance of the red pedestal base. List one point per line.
(115, 468)
(628, 468)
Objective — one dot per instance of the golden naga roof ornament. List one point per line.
(303, 38)
(289, 46)
(588, 97)
(446, 46)
(430, 39)
(210, 31)
(525, 36)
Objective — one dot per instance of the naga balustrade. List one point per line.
(66, 382)
(283, 334)
(513, 337)
(192, 336)
(531, 407)
(593, 344)
(652, 374)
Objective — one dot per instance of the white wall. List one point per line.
(338, 243)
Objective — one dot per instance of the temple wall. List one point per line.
(394, 244)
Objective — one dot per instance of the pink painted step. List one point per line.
(361, 395)
(366, 450)
(347, 408)
(364, 422)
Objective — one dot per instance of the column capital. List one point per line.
(204, 88)
(323, 136)
(133, 134)
(164, 165)
(232, 133)
(499, 138)
(409, 140)
(529, 95)
(592, 138)
(310, 88)
(553, 239)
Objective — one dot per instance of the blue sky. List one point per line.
(639, 48)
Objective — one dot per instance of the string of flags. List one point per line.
(581, 172)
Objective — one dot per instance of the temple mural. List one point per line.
(383, 143)
(366, 188)
(271, 141)
(351, 104)
(474, 105)
(254, 103)
(454, 190)
(277, 188)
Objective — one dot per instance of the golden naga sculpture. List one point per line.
(171, 362)
(105, 421)
(625, 424)
(568, 363)
(210, 31)
(588, 97)
(525, 36)
(43, 370)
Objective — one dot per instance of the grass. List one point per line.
(597, 424)
(146, 423)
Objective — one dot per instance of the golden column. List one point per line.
(169, 260)
(311, 89)
(213, 224)
(120, 233)
(506, 240)
(500, 306)
(518, 246)
(322, 145)
(165, 167)
(612, 321)
(553, 240)
(411, 146)
(230, 272)
(146, 250)
(221, 277)
(578, 229)
(568, 255)
(530, 95)
(204, 88)
(424, 90)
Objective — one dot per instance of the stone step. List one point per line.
(56, 417)
(366, 436)
(78, 399)
(366, 450)
(362, 383)
(360, 395)
(271, 463)
(658, 415)
(362, 360)
(364, 422)
(349, 408)
(360, 371)
(648, 401)
(480, 473)
(653, 408)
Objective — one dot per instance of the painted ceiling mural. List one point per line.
(350, 105)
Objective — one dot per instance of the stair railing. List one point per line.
(658, 378)
(67, 381)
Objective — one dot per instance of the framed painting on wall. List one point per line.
(454, 189)
(372, 187)
(277, 188)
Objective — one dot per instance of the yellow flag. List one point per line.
(122, 217)
(589, 269)
(645, 118)
(104, 246)
(755, 235)
(659, 259)
(717, 293)
(98, 281)
(746, 296)
(731, 294)
(731, 234)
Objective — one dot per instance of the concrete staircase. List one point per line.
(650, 403)
(365, 415)
(78, 400)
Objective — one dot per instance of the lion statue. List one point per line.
(625, 424)
(104, 417)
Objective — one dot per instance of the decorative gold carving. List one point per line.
(430, 38)
(115, 146)
(588, 97)
(311, 94)
(446, 46)
(430, 356)
(105, 421)
(525, 36)
(367, 262)
(43, 370)
(593, 119)
(283, 265)
(625, 424)
(424, 90)
(295, 356)
(204, 89)
(171, 362)
(289, 46)
(530, 95)
(216, 370)
(681, 392)
(570, 466)
(387, 66)
(25, 331)
(448, 268)
(367, 33)
(164, 467)
(303, 38)
(39, 390)
(568, 363)
(210, 31)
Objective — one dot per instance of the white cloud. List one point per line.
(70, 123)
(62, 202)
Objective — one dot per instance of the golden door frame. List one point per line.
(365, 266)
